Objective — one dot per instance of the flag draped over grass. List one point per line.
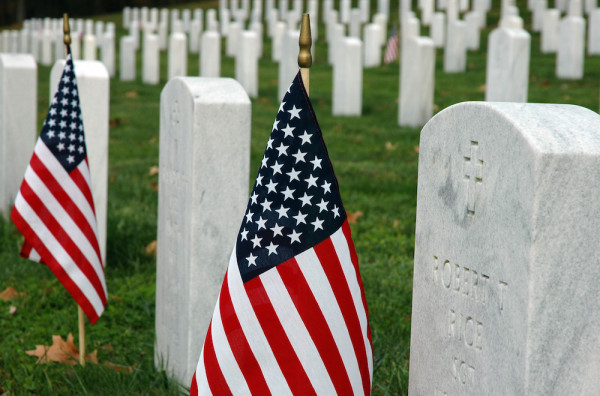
(291, 317)
(54, 209)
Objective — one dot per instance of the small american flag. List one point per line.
(391, 48)
(292, 316)
(54, 209)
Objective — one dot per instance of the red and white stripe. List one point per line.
(299, 328)
(54, 211)
(391, 49)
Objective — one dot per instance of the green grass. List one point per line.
(376, 165)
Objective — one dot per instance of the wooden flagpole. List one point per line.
(304, 56)
(80, 317)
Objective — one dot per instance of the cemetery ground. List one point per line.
(376, 165)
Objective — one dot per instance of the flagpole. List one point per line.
(304, 56)
(67, 41)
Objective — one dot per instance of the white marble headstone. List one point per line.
(18, 123)
(348, 78)
(210, 55)
(177, 56)
(507, 71)
(505, 291)
(202, 192)
(571, 48)
(417, 75)
(127, 58)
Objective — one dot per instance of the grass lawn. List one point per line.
(376, 165)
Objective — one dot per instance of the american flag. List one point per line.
(54, 209)
(391, 48)
(291, 317)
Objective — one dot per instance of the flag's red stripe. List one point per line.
(63, 237)
(214, 375)
(65, 200)
(84, 185)
(354, 257)
(194, 386)
(316, 324)
(335, 274)
(55, 267)
(239, 345)
(26, 250)
(285, 354)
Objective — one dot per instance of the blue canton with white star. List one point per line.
(295, 203)
(63, 129)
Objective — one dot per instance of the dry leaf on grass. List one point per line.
(416, 149)
(115, 122)
(151, 248)
(9, 293)
(119, 367)
(153, 170)
(131, 94)
(353, 217)
(60, 351)
(390, 146)
(481, 88)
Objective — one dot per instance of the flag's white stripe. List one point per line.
(343, 252)
(311, 268)
(57, 251)
(84, 169)
(297, 333)
(34, 255)
(66, 222)
(65, 181)
(229, 367)
(201, 380)
(253, 331)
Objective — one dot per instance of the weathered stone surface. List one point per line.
(505, 293)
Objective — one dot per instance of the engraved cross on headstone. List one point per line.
(473, 172)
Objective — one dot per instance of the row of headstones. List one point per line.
(44, 40)
(18, 126)
(507, 60)
(246, 47)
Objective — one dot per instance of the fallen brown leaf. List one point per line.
(396, 223)
(119, 367)
(131, 94)
(108, 347)
(114, 123)
(151, 248)
(481, 88)
(416, 148)
(390, 146)
(153, 170)
(353, 217)
(60, 351)
(154, 185)
(9, 293)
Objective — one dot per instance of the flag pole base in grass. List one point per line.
(81, 336)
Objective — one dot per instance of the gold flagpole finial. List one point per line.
(304, 56)
(66, 29)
